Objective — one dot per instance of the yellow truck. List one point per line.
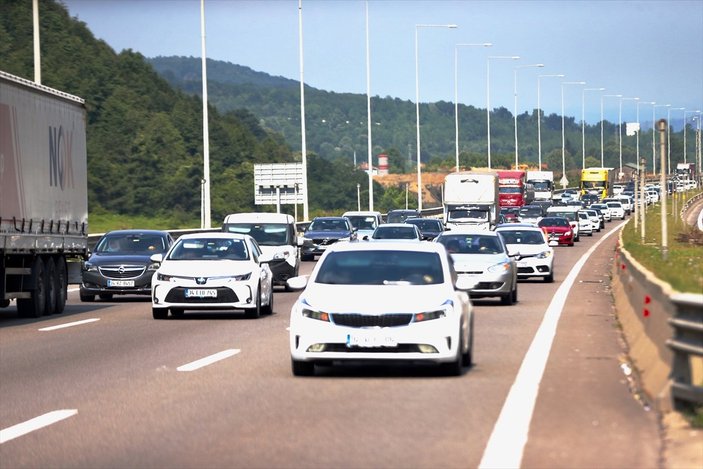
(597, 181)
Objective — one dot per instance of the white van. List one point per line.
(277, 237)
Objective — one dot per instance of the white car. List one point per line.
(380, 302)
(585, 224)
(616, 210)
(212, 271)
(596, 221)
(529, 246)
(396, 232)
(604, 210)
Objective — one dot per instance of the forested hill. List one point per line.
(144, 136)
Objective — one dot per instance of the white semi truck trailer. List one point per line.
(43, 195)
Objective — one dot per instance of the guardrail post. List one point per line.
(687, 348)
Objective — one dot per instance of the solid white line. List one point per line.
(70, 290)
(36, 423)
(506, 444)
(69, 324)
(209, 360)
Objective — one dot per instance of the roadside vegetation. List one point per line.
(683, 267)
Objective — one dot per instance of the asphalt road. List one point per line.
(117, 375)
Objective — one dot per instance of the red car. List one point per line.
(557, 230)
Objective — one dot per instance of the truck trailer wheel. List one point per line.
(35, 306)
(62, 283)
(51, 285)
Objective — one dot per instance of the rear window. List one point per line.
(471, 244)
(266, 234)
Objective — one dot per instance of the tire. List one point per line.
(454, 367)
(255, 312)
(51, 286)
(62, 277)
(35, 306)
(507, 299)
(159, 313)
(105, 296)
(307, 258)
(549, 278)
(177, 312)
(467, 358)
(302, 368)
(514, 294)
(268, 309)
(86, 297)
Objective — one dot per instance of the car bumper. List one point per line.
(282, 271)
(93, 283)
(490, 284)
(534, 267)
(318, 341)
(234, 295)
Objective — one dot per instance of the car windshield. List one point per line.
(530, 212)
(462, 214)
(394, 232)
(266, 234)
(614, 204)
(510, 190)
(328, 225)
(399, 217)
(554, 221)
(209, 249)
(362, 222)
(571, 216)
(522, 237)
(425, 225)
(381, 268)
(471, 244)
(542, 185)
(132, 243)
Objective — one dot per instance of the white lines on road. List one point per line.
(507, 442)
(192, 366)
(69, 324)
(36, 423)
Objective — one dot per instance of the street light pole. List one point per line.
(539, 118)
(602, 164)
(488, 99)
(417, 106)
(564, 181)
(205, 198)
(456, 94)
(684, 132)
(368, 110)
(583, 124)
(668, 136)
(303, 145)
(515, 102)
(654, 140)
(620, 131)
(638, 129)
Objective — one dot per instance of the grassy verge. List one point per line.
(683, 266)
(104, 222)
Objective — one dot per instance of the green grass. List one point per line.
(104, 222)
(683, 266)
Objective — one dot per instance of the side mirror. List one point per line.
(265, 258)
(297, 283)
(299, 241)
(157, 258)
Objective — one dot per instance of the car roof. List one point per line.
(395, 225)
(389, 245)
(463, 230)
(262, 217)
(137, 231)
(216, 235)
(329, 218)
(517, 226)
(361, 213)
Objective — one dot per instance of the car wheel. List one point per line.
(549, 278)
(268, 309)
(306, 258)
(571, 243)
(507, 299)
(590, 234)
(176, 312)
(454, 367)
(106, 296)
(467, 359)
(255, 312)
(159, 313)
(85, 297)
(302, 368)
(514, 294)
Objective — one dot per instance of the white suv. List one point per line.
(616, 210)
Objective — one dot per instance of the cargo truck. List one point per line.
(514, 189)
(471, 198)
(597, 181)
(543, 184)
(43, 195)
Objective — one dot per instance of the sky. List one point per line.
(648, 49)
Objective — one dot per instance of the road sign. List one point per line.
(278, 183)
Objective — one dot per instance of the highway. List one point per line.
(216, 390)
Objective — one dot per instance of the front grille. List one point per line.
(525, 270)
(224, 295)
(488, 285)
(469, 272)
(368, 320)
(400, 348)
(122, 271)
(324, 241)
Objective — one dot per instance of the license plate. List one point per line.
(120, 283)
(201, 293)
(522, 264)
(370, 340)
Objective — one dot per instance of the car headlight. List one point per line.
(544, 255)
(163, 277)
(153, 266)
(568, 233)
(444, 310)
(279, 256)
(346, 238)
(240, 278)
(309, 312)
(501, 267)
(87, 266)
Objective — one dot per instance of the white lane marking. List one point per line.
(69, 324)
(36, 423)
(209, 360)
(71, 290)
(506, 444)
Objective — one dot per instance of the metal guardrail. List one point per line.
(687, 343)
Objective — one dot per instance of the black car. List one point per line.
(399, 216)
(430, 228)
(120, 264)
(324, 231)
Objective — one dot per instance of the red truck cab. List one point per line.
(513, 190)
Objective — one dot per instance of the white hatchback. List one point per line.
(212, 271)
(379, 302)
(529, 247)
(616, 210)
